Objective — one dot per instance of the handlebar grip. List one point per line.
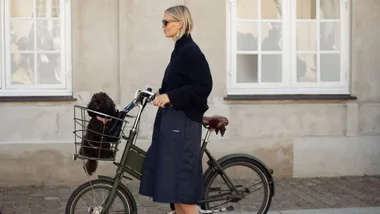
(150, 99)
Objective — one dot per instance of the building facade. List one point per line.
(298, 79)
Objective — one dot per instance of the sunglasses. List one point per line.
(166, 22)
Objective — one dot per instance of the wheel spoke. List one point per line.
(90, 190)
(245, 182)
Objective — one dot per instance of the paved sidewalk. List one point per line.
(291, 195)
(361, 210)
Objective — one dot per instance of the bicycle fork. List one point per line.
(119, 174)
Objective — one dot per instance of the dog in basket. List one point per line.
(95, 143)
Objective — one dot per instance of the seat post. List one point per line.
(205, 140)
(207, 134)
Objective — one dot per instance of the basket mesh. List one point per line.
(97, 138)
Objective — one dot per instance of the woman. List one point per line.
(172, 170)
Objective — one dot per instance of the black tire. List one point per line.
(125, 195)
(255, 166)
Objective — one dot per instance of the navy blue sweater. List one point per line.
(187, 80)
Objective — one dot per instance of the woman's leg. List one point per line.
(178, 209)
(189, 208)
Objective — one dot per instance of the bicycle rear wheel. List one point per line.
(92, 205)
(216, 187)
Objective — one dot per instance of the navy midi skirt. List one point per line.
(172, 171)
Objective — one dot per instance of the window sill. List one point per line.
(38, 99)
(299, 97)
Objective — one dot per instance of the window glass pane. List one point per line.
(21, 8)
(47, 8)
(246, 68)
(22, 68)
(40, 37)
(330, 67)
(306, 9)
(48, 67)
(21, 35)
(330, 36)
(271, 35)
(48, 35)
(306, 67)
(306, 36)
(271, 9)
(247, 9)
(329, 9)
(246, 36)
(271, 68)
(317, 47)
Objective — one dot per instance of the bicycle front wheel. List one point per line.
(254, 196)
(88, 198)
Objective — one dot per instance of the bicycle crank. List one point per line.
(220, 210)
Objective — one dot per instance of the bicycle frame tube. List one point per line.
(214, 164)
(120, 169)
(132, 139)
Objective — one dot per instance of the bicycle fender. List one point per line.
(109, 179)
(268, 170)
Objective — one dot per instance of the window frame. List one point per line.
(63, 89)
(287, 86)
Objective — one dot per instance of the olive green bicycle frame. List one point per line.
(133, 157)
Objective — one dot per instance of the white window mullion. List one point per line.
(66, 65)
(344, 43)
(2, 61)
(233, 42)
(35, 71)
(259, 39)
(287, 44)
(63, 68)
(293, 45)
(318, 36)
(6, 47)
(343, 75)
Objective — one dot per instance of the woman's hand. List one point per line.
(161, 100)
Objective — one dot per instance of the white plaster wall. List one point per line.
(119, 46)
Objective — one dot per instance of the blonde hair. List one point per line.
(181, 13)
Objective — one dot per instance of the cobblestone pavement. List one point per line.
(311, 193)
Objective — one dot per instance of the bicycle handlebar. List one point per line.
(145, 94)
(139, 98)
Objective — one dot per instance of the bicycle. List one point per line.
(132, 160)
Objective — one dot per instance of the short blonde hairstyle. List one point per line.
(181, 13)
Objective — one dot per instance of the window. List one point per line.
(35, 48)
(288, 47)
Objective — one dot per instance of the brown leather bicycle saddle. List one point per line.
(216, 122)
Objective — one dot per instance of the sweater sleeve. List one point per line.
(198, 72)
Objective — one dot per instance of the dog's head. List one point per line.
(101, 102)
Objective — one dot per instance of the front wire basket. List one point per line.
(97, 138)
